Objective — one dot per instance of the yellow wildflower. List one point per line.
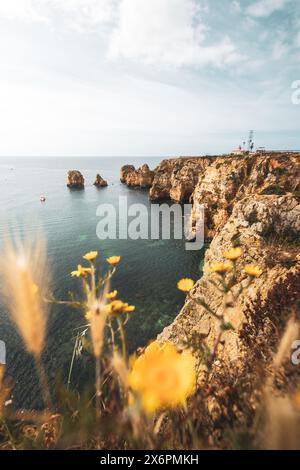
(162, 377)
(253, 271)
(118, 306)
(91, 256)
(81, 271)
(185, 285)
(129, 309)
(233, 254)
(220, 268)
(111, 295)
(113, 260)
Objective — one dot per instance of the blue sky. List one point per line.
(147, 77)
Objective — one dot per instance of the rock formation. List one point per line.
(229, 179)
(100, 182)
(142, 177)
(268, 228)
(75, 180)
(270, 240)
(125, 171)
(177, 178)
(253, 201)
(217, 182)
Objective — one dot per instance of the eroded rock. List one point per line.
(100, 182)
(254, 201)
(177, 178)
(259, 315)
(75, 179)
(142, 177)
(229, 179)
(125, 170)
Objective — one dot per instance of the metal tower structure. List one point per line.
(251, 141)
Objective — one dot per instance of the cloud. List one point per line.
(167, 33)
(20, 10)
(83, 15)
(264, 8)
(79, 15)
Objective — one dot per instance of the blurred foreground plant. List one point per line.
(24, 279)
(149, 400)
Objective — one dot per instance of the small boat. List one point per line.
(42, 199)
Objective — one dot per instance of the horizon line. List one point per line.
(173, 155)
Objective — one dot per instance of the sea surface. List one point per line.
(146, 277)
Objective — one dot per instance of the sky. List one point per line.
(147, 77)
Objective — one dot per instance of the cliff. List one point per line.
(229, 179)
(270, 240)
(253, 201)
(217, 182)
(268, 228)
(177, 178)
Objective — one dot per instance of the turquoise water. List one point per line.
(146, 277)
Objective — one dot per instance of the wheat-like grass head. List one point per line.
(24, 280)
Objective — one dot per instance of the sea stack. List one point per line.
(100, 182)
(142, 177)
(75, 180)
(125, 171)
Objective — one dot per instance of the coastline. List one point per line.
(256, 201)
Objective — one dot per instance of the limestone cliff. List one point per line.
(229, 179)
(233, 384)
(217, 182)
(270, 240)
(254, 201)
(177, 178)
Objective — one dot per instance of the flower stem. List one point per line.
(123, 339)
(72, 361)
(98, 386)
(43, 382)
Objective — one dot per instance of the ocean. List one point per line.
(146, 276)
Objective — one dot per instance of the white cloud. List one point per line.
(20, 10)
(79, 15)
(264, 8)
(82, 15)
(166, 33)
